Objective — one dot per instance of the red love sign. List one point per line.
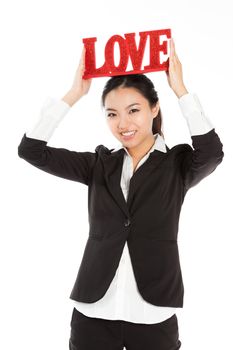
(128, 49)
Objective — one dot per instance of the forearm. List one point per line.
(51, 114)
(70, 98)
(181, 91)
(192, 111)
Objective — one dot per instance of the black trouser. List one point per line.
(90, 333)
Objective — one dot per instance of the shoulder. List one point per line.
(102, 149)
(180, 149)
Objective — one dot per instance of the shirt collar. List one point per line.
(159, 144)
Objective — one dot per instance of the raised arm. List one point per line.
(198, 162)
(207, 153)
(33, 148)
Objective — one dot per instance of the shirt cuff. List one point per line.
(51, 114)
(192, 110)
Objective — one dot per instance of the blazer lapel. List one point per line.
(113, 163)
(142, 174)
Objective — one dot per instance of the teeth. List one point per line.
(128, 133)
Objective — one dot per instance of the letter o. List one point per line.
(109, 54)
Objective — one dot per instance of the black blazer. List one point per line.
(148, 221)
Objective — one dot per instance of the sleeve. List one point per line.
(207, 152)
(33, 148)
(51, 114)
(192, 111)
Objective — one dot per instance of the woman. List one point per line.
(126, 295)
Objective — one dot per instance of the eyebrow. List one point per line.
(132, 104)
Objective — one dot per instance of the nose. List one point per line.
(124, 123)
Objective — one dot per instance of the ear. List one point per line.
(155, 109)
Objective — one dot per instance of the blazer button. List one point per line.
(127, 222)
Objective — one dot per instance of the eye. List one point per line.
(134, 109)
(113, 114)
(109, 114)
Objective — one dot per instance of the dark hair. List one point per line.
(144, 85)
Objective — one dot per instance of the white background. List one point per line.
(44, 219)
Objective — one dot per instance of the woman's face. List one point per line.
(128, 110)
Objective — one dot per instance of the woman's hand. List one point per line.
(174, 73)
(80, 86)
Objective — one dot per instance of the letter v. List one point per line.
(135, 54)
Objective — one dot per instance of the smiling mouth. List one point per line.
(128, 136)
(128, 133)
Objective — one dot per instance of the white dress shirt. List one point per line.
(122, 300)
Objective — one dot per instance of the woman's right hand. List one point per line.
(80, 86)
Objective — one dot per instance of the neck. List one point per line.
(140, 150)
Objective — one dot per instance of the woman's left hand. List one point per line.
(174, 72)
